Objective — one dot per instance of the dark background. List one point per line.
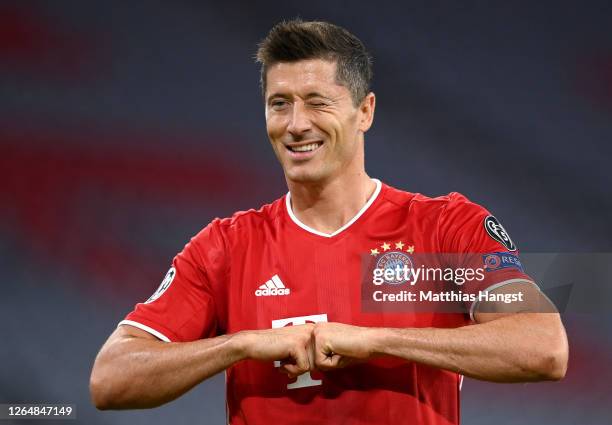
(125, 127)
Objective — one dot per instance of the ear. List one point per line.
(366, 112)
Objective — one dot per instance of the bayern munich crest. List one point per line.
(389, 261)
(393, 261)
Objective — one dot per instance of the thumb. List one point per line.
(300, 355)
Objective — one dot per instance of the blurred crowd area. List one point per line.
(126, 127)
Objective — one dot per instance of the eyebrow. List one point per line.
(315, 94)
(308, 96)
(273, 95)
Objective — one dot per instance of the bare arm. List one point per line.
(136, 370)
(514, 344)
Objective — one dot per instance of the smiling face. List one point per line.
(314, 128)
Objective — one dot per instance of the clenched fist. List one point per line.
(291, 344)
(302, 348)
(338, 345)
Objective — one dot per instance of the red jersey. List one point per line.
(265, 269)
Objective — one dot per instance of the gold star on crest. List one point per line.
(399, 245)
(410, 249)
(386, 246)
(374, 252)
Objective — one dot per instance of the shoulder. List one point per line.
(253, 217)
(419, 203)
(246, 220)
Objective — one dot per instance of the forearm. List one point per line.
(516, 348)
(134, 372)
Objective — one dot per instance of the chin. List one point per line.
(304, 176)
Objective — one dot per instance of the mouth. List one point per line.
(303, 150)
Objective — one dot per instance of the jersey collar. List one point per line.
(346, 226)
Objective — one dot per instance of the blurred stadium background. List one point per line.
(126, 126)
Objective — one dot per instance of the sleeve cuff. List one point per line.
(145, 328)
(494, 287)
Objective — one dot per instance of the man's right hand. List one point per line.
(291, 344)
(136, 370)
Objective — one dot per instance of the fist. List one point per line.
(338, 345)
(291, 345)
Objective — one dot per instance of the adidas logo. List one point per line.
(274, 286)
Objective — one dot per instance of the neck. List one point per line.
(327, 206)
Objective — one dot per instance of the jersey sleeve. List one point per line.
(183, 307)
(473, 239)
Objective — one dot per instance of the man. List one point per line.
(280, 288)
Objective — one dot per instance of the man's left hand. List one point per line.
(338, 345)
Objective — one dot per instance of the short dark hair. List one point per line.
(295, 40)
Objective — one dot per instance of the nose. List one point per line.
(300, 121)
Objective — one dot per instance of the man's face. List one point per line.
(313, 127)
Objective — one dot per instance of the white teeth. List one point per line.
(305, 148)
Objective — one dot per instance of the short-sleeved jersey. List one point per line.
(263, 269)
